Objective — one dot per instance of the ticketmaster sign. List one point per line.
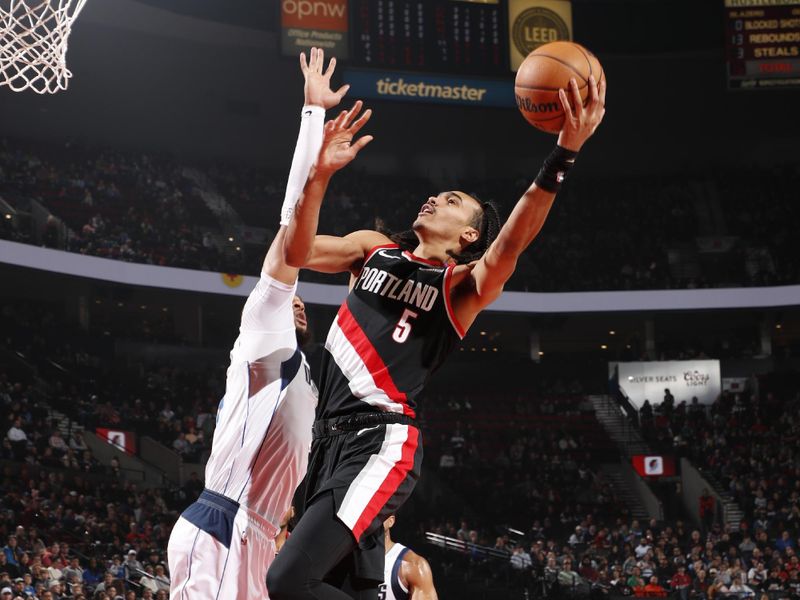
(441, 89)
(641, 381)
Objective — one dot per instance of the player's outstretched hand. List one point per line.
(338, 147)
(317, 88)
(580, 121)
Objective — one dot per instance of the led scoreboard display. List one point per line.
(448, 36)
(763, 43)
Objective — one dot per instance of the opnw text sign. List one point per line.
(318, 23)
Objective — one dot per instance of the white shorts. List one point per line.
(202, 567)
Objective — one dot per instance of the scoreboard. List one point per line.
(442, 51)
(430, 35)
(763, 43)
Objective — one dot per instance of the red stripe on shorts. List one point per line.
(390, 485)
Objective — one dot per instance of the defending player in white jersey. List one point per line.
(223, 544)
(406, 575)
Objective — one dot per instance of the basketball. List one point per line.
(543, 72)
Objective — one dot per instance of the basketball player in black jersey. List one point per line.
(407, 308)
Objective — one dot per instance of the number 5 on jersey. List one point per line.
(403, 329)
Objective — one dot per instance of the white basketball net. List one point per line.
(33, 43)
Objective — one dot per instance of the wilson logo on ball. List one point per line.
(529, 105)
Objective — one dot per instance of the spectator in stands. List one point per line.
(161, 578)
(757, 575)
(77, 443)
(106, 584)
(57, 443)
(180, 445)
(784, 542)
(12, 551)
(588, 570)
(18, 439)
(644, 546)
(700, 584)
(653, 589)
(74, 573)
(132, 567)
(681, 583)
(635, 580)
(706, 510)
(567, 576)
(739, 589)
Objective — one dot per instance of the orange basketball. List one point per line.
(543, 72)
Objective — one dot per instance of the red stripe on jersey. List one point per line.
(426, 261)
(448, 276)
(394, 478)
(370, 357)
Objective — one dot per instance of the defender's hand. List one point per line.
(338, 148)
(581, 122)
(317, 88)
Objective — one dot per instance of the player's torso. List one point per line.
(261, 441)
(393, 330)
(392, 588)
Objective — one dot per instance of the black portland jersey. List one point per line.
(394, 329)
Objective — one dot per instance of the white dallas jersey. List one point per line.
(263, 436)
(392, 588)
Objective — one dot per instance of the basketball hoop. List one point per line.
(33, 43)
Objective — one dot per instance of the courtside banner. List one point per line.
(641, 381)
(319, 23)
(532, 23)
(437, 89)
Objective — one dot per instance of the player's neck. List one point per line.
(432, 251)
(388, 544)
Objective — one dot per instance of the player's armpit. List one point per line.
(331, 254)
(419, 578)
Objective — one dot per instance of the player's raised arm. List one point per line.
(329, 254)
(490, 273)
(318, 97)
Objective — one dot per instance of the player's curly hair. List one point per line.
(486, 221)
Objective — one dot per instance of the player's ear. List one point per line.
(469, 236)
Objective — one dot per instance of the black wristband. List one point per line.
(555, 169)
